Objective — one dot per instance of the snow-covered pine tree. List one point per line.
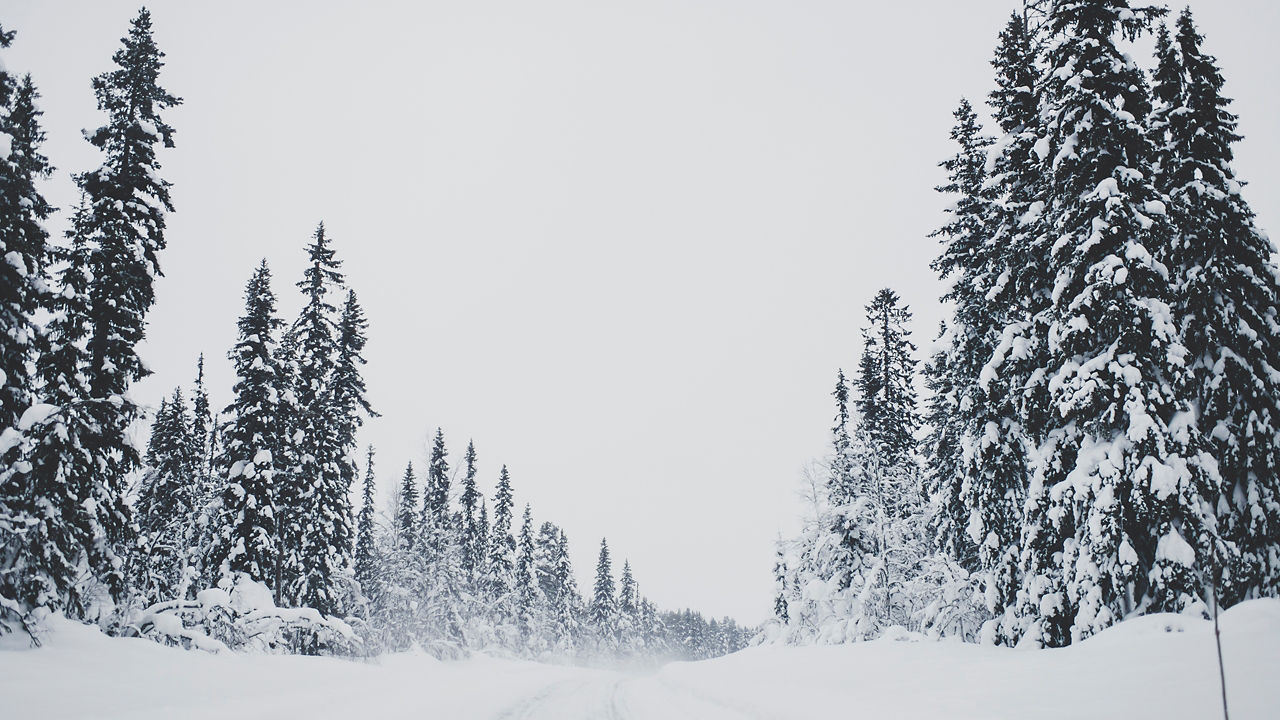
(1118, 515)
(166, 505)
(436, 528)
(885, 383)
(940, 450)
(444, 615)
(1011, 385)
(839, 565)
(400, 576)
(24, 244)
(1022, 291)
(841, 478)
(978, 511)
(553, 573)
(324, 494)
(468, 525)
(289, 492)
(110, 271)
(348, 395)
(889, 418)
(529, 600)
(1226, 301)
(208, 488)
(45, 563)
(781, 590)
(366, 554)
(502, 549)
(603, 613)
(482, 547)
(246, 540)
(957, 408)
(653, 631)
(407, 511)
(629, 636)
(201, 417)
(127, 203)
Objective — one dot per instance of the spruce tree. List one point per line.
(482, 546)
(43, 562)
(25, 584)
(943, 482)
(843, 555)
(979, 438)
(435, 526)
(472, 558)
(966, 262)
(567, 609)
(81, 454)
(781, 591)
(366, 556)
(1022, 291)
(1115, 521)
(1227, 292)
(890, 516)
(628, 610)
(348, 391)
(207, 488)
(886, 393)
(290, 494)
(840, 481)
(201, 417)
(502, 546)
(166, 507)
(407, 510)
(545, 551)
(603, 613)
(127, 202)
(24, 245)
(323, 494)
(246, 540)
(528, 596)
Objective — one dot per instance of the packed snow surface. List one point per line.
(1160, 666)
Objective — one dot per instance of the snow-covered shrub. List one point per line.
(241, 615)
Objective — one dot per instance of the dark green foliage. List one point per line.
(406, 512)
(885, 382)
(1226, 300)
(247, 539)
(167, 504)
(26, 580)
(366, 554)
(1124, 530)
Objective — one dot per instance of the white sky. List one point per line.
(623, 245)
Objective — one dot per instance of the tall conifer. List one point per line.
(247, 540)
(1226, 301)
(366, 558)
(25, 581)
(1116, 519)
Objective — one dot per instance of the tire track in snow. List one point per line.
(622, 699)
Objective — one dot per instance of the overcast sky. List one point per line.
(622, 245)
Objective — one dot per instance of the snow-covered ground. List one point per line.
(1154, 667)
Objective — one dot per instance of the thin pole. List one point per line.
(1217, 635)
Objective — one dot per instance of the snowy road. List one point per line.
(620, 698)
(1160, 666)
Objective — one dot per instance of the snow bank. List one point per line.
(1161, 666)
(82, 674)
